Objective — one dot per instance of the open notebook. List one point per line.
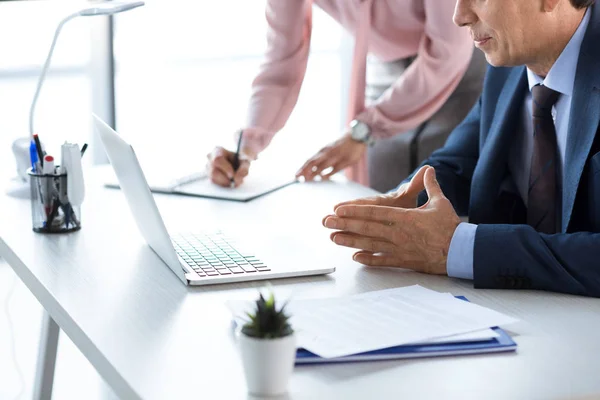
(259, 182)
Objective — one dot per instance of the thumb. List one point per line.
(416, 184)
(243, 170)
(434, 191)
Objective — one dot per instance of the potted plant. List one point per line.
(268, 347)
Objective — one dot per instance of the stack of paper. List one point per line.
(338, 327)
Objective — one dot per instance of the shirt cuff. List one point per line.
(460, 254)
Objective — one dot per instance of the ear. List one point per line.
(550, 5)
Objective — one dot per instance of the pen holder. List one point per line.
(51, 211)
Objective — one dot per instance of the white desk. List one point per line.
(151, 337)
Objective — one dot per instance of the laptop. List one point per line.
(196, 259)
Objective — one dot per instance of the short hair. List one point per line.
(579, 4)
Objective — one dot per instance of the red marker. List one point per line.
(48, 169)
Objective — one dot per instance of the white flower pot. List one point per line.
(268, 363)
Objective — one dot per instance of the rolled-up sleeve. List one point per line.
(276, 88)
(443, 57)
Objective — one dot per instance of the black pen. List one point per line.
(38, 146)
(236, 158)
(83, 149)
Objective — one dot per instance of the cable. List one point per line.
(45, 69)
(11, 333)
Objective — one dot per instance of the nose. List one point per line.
(463, 13)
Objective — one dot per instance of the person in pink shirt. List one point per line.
(421, 81)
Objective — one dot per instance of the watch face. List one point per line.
(360, 131)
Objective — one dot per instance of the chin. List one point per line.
(496, 60)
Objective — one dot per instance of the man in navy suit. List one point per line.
(524, 165)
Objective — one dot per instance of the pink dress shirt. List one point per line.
(389, 29)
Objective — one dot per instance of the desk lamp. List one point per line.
(106, 8)
(21, 146)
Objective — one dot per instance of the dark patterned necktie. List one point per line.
(542, 200)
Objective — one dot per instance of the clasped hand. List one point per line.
(390, 230)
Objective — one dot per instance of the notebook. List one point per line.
(257, 183)
(501, 343)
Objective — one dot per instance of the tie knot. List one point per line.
(543, 100)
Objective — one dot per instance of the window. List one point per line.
(183, 75)
(64, 107)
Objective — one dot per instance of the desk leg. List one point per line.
(44, 375)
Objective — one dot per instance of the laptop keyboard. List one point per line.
(214, 255)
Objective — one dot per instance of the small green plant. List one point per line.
(266, 322)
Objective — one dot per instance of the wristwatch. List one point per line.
(361, 132)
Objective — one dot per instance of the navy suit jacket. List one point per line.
(473, 165)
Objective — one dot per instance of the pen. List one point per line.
(38, 146)
(33, 155)
(36, 168)
(236, 157)
(83, 149)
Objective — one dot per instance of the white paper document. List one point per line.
(338, 327)
(477, 336)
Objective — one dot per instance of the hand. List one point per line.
(405, 197)
(413, 238)
(220, 166)
(336, 156)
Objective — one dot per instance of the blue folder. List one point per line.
(499, 344)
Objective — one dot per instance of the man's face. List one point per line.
(505, 30)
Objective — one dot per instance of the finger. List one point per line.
(237, 181)
(310, 168)
(221, 163)
(218, 177)
(217, 152)
(304, 171)
(243, 170)
(381, 200)
(414, 187)
(372, 259)
(416, 184)
(434, 191)
(336, 166)
(318, 169)
(306, 168)
(361, 242)
(319, 165)
(241, 173)
(360, 227)
(383, 214)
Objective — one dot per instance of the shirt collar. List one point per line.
(561, 76)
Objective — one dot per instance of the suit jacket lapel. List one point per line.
(493, 158)
(585, 110)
